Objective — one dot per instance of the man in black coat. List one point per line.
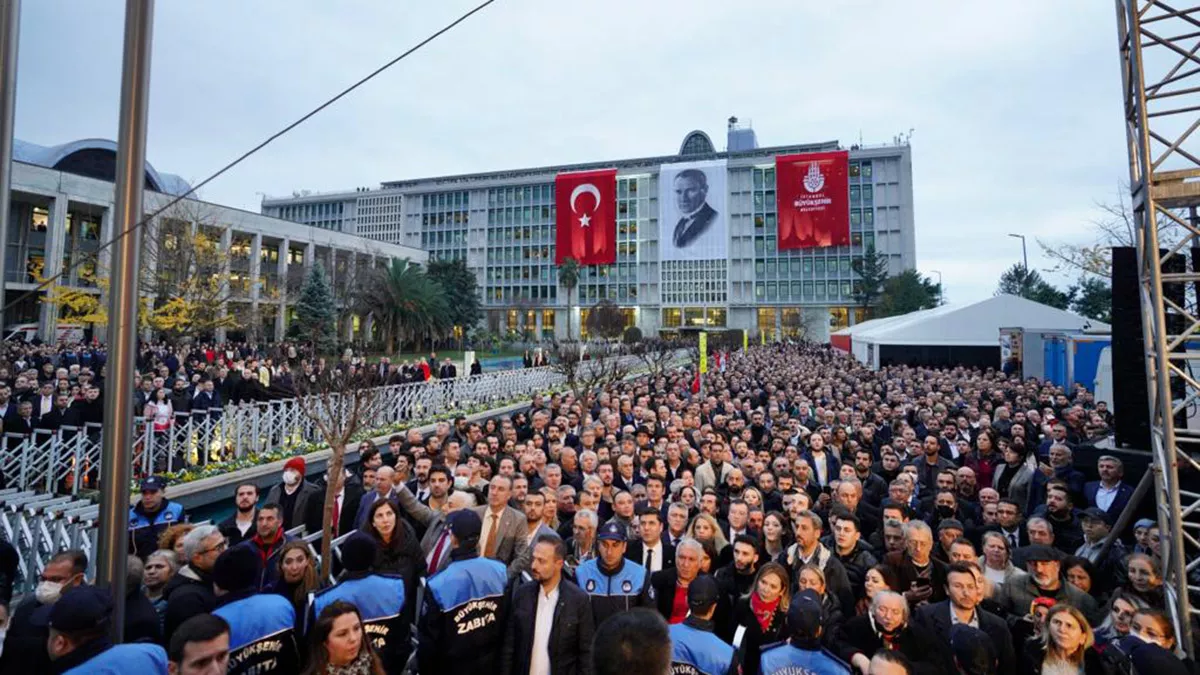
(25, 644)
(568, 648)
(888, 624)
(963, 594)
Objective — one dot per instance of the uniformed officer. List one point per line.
(261, 626)
(79, 642)
(694, 648)
(802, 651)
(614, 583)
(380, 599)
(461, 629)
(153, 514)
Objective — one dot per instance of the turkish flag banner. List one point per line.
(813, 199)
(586, 224)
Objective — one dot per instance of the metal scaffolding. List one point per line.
(1160, 72)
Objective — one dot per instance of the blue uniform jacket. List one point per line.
(696, 651)
(261, 632)
(144, 529)
(462, 622)
(380, 600)
(783, 658)
(627, 587)
(140, 658)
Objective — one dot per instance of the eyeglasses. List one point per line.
(218, 548)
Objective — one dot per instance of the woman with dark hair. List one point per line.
(1014, 477)
(777, 536)
(761, 616)
(1144, 581)
(984, 457)
(1081, 573)
(878, 578)
(399, 550)
(339, 645)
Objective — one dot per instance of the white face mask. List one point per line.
(48, 592)
(291, 477)
(461, 482)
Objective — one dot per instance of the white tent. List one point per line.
(937, 335)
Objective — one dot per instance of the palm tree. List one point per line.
(568, 278)
(406, 302)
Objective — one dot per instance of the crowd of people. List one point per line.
(803, 514)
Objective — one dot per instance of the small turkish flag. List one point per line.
(586, 225)
(696, 383)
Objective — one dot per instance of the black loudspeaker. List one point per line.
(1131, 403)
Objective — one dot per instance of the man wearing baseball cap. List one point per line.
(79, 642)
(153, 514)
(461, 629)
(614, 583)
(803, 651)
(694, 648)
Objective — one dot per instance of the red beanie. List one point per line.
(296, 463)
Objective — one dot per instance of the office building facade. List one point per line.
(503, 224)
(61, 213)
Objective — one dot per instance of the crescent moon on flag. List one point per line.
(582, 189)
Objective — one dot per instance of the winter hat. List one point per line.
(295, 463)
(358, 552)
(236, 569)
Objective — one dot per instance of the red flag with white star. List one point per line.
(586, 224)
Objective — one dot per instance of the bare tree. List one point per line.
(341, 401)
(585, 375)
(1114, 227)
(656, 354)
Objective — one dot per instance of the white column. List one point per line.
(56, 233)
(103, 267)
(226, 270)
(282, 272)
(255, 285)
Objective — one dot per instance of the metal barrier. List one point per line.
(43, 514)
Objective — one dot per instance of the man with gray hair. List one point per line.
(921, 577)
(190, 591)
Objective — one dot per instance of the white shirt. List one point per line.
(656, 556)
(1106, 495)
(539, 663)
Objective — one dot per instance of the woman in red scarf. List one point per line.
(760, 617)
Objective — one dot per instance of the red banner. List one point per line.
(813, 193)
(586, 225)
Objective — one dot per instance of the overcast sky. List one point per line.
(1016, 105)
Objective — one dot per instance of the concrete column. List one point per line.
(56, 233)
(537, 316)
(310, 255)
(282, 272)
(226, 270)
(778, 323)
(255, 284)
(103, 264)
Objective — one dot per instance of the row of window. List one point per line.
(806, 290)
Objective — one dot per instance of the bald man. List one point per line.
(384, 489)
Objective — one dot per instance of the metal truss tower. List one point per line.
(1160, 72)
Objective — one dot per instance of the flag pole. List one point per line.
(123, 308)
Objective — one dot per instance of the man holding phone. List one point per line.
(921, 578)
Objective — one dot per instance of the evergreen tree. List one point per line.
(872, 271)
(907, 292)
(1028, 284)
(1093, 299)
(316, 317)
(462, 293)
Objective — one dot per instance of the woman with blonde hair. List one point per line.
(1065, 647)
(812, 578)
(297, 576)
(761, 615)
(705, 528)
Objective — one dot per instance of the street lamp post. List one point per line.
(939, 273)
(1024, 264)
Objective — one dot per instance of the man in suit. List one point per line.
(345, 507)
(435, 545)
(696, 216)
(921, 577)
(52, 420)
(550, 626)
(448, 370)
(1109, 494)
(504, 536)
(675, 580)
(963, 594)
(383, 490)
(651, 551)
(24, 422)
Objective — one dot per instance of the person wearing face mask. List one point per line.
(78, 642)
(25, 642)
(293, 494)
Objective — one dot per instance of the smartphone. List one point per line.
(922, 583)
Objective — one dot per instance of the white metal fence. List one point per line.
(42, 512)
